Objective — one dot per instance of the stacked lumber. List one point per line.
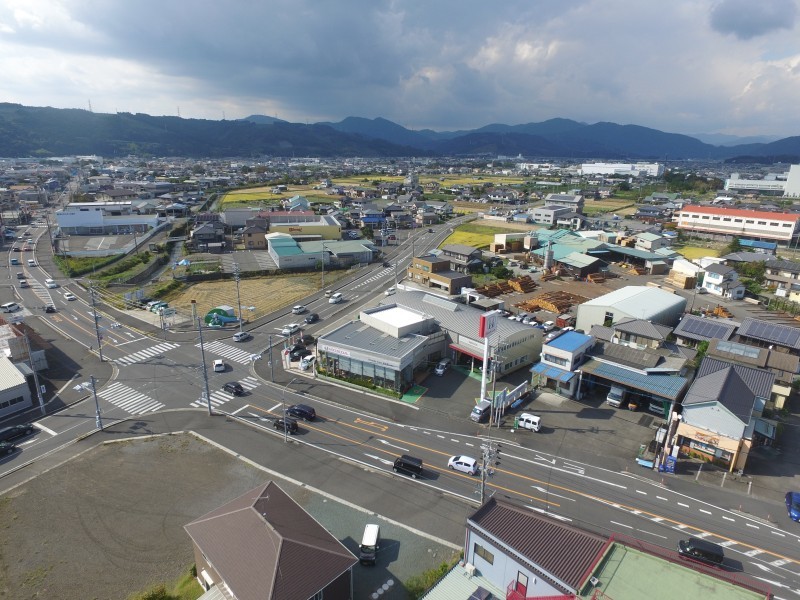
(556, 302)
(595, 277)
(495, 289)
(523, 284)
(637, 271)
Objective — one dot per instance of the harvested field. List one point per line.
(264, 295)
(480, 234)
(599, 207)
(693, 252)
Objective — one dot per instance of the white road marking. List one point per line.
(708, 512)
(641, 492)
(622, 525)
(662, 498)
(728, 518)
(46, 429)
(683, 505)
(386, 443)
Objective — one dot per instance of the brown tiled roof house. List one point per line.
(263, 545)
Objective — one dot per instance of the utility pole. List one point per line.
(322, 257)
(237, 277)
(490, 458)
(96, 326)
(271, 364)
(35, 374)
(98, 420)
(135, 241)
(205, 372)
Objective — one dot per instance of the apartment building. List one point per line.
(734, 222)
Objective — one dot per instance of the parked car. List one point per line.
(299, 354)
(464, 464)
(219, 366)
(307, 361)
(241, 336)
(306, 339)
(233, 387)
(290, 329)
(793, 505)
(299, 309)
(390, 291)
(285, 424)
(311, 318)
(549, 325)
(302, 411)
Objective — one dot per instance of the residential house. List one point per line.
(260, 545)
(516, 553)
(722, 280)
(784, 366)
(548, 215)
(760, 246)
(296, 203)
(208, 236)
(254, 237)
(435, 272)
(763, 334)
(693, 329)
(443, 209)
(561, 357)
(721, 418)
(783, 275)
(462, 258)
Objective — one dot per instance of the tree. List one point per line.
(734, 246)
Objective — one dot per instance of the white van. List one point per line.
(370, 544)
(335, 298)
(529, 421)
(50, 283)
(31, 262)
(10, 307)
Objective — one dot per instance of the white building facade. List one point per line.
(749, 224)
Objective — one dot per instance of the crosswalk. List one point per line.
(377, 277)
(147, 353)
(224, 350)
(129, 399)
(219, 397)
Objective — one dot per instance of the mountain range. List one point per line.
(43, 132)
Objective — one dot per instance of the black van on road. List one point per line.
(702, 551)
(408, 465)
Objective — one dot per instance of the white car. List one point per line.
(465, 464)
(299, 309)
(241, 336)
(390, 291)
(219, 366)
(529, 421)
(70, 296)
(335, 298)
(548, 326)
(290, 329)
(50, 283)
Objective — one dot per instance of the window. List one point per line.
(774, 224)
(762, 222)
(484, 553)
(715, 218)
(704, 217)
(749, 221)
(726, 218)
(737, 220)
(786, 225)
(555, 360)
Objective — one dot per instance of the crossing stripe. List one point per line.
(129, 399)
(147, 353)
(220, 397)
(235, 354)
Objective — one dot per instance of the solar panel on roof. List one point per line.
(781, 334)
(705, 328)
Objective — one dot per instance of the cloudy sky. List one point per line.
(687, 66)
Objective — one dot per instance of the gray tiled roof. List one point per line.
(601, 333)
(562, 552)
(643, 328)
(726, 387)
(625, 355)
(719, 269)
(782, 265)
(365, 338)
(758, 380)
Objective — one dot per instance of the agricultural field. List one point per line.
(478, 236)
(694, 252)
(442, 180)
(623, 208)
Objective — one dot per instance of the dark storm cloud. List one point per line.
(747, 19)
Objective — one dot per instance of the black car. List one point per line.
(430, 230)
(306, 339)
(299, 354)
(49, 308)
(386, 263)
(285, 424)
(233, 387)
(14, 432)
(312, 318)
(7, 447)
(295, 347)
(302, 411)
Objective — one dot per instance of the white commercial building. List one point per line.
(97, 218)
(632, 169)
(15, 395)
(786, 184)
(748, 224)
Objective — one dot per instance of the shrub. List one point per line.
(419, 584)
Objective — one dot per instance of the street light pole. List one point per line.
(283, 406)
(237, 277)
(98, 420)
(205, 372)
(96, 326)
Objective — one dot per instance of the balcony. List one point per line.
(513, 594)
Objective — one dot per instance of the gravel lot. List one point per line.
(109, 523)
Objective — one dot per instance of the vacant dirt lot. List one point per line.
(110, 522)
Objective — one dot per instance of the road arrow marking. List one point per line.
(385, 443)
(545, 491)
(379, 459)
